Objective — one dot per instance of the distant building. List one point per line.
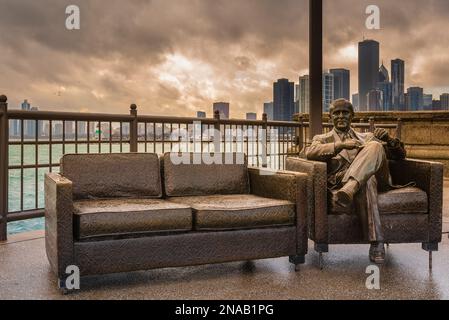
(328, 91)
(427, 102)
(355, 101)
(26, 106)
(368, 70)
(304, 95)
(398, 80)
(201, 114)
(386, 87)
(436, 105)
(375, 100)
(342, 83)
(283, 100)
(223, 108)
(251, 116)
(415, 99)
(268, 110)
(444, 98)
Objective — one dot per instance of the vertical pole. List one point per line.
(4, 134)
(316, 66)
(399, 129)
(372, 127)
(300, 135)
(133, 129)
(264, 140)
(217, 132)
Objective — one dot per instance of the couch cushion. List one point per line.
(399, 201)
(127, 216)
(229, 212)
(205, 179)
(113, 175)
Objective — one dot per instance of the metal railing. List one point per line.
(32, 143)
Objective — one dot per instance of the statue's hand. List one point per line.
(348, 145)
(382, 134)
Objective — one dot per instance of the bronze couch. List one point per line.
(408, 215)
(113, 213)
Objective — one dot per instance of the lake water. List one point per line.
(33, 178)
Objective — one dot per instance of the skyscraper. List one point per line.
(341, 83)
(304, 94)
(427, 102)
(223, 108)
(355, 101)
(436, 105)
(386, 87)
(398, 80)
(444, 98)
(368, 70)
(25, 105)
(201, 114)
(251, 116)
(328, 91)
(415, 97)
(375, 100)
(283, 100)
(268, 110)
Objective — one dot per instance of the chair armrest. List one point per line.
(428, 176)
(59, 223)
(317, 196)
(284, 185)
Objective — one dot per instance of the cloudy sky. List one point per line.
(174, 57)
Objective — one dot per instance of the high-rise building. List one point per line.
(268, 110)
(201, 114)
(436, 105)
(415, 99)
(427, 102)
(223, 108)
(251, 116)
(25, 105)
(375, 100)
(328, 91)
(444, 98)
(386, 87)
(304, 94)
(368, 70)
(283, 100)
(355, 101)
(398, 80)
(342, 79)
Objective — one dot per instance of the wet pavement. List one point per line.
(25, 274)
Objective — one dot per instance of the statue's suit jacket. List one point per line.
(323, 149)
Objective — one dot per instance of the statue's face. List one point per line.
(342, 118)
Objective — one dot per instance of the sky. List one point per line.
(176, 57)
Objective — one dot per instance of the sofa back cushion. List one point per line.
(113, 175)
(197, 176)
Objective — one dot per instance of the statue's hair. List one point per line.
(341, 103)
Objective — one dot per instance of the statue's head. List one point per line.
(341, 112)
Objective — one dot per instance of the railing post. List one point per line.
(4, 134)
(265, 142)
(217, 132)
(371, 124)
(133, 135)
(399, 129)
(300, 134)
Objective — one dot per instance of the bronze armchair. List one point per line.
(408, 215)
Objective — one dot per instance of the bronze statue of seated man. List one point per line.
(358, 168)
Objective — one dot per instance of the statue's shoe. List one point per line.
(377, 253)
(345, 195)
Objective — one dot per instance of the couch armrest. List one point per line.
(284, 185)
(59, 223)
(428, 176)
(317, 196)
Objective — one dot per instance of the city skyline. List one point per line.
(170, 59)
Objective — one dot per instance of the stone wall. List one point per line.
(425, 134)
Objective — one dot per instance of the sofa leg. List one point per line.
(297, 261)
(430, 247)
(320, 248)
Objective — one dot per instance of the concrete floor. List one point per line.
(25, 274)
